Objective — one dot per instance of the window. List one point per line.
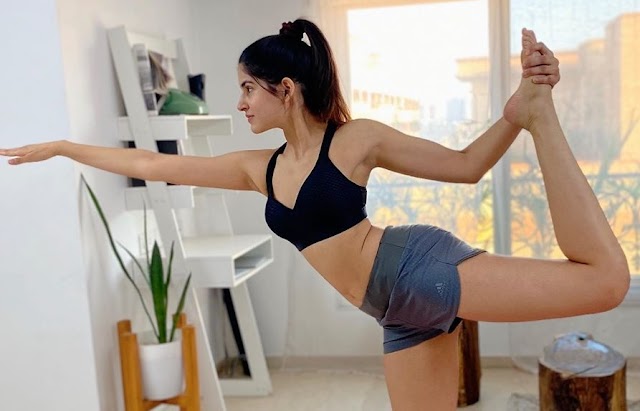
(407, 77)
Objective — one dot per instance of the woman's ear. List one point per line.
(288, 87)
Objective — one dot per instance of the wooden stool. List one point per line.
(578, 373)
(130, 365)
(469, 364)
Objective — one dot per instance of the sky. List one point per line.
(565, 23)
(412, 53)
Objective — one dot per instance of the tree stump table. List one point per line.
(579, 373)
(469, 364)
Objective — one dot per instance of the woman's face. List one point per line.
(262, 109)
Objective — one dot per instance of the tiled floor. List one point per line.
(361, 391)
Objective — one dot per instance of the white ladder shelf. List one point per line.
(196, 220)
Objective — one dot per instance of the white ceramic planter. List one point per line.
(161, 367)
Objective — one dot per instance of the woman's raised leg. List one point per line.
(595, 276)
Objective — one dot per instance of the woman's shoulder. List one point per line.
(256, 162)
(359, 128)
(260, 154)
(360, 124)
(363, 127)
(364, 132)
(356, 139)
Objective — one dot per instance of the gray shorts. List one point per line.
(414, 288)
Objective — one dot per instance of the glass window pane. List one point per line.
(417, 69)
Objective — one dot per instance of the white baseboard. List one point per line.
(374, 363)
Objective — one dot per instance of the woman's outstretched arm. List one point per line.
(241, 170)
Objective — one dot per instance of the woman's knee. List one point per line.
(610, 286)
(616, 291)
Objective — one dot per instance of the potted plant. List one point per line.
(160, 351)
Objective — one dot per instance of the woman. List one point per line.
(417, 281)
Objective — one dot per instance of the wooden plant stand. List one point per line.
(469, 364)
(578, 373)
(189, 400)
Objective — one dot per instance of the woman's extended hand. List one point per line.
(31, 153)
(541, 65)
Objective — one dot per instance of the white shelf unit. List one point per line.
(195, 220)
(218, 258)
(216, 255)
(223, 261)
(180, 127)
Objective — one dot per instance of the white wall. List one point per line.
(94, 102)
(46, 356)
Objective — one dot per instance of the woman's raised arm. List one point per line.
(425, 159)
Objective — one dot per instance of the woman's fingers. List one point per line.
(547, 79)
(546, 69)
(9, 152)
(542, 48)
(14, 152)
(26, 154)
(17, 153)
(542, 67)
(543, 55)
(545, 74)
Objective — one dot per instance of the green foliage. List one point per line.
(154, 276)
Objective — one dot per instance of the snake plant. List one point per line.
(154, 276)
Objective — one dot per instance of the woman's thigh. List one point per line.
(500, 288)
(424, 377)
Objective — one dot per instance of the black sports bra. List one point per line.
(328, 203)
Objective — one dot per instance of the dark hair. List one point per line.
(275, 57)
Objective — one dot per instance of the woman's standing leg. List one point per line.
(424, 377)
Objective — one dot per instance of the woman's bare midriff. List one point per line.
(345, 260)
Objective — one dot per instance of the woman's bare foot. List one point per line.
(531, 100)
